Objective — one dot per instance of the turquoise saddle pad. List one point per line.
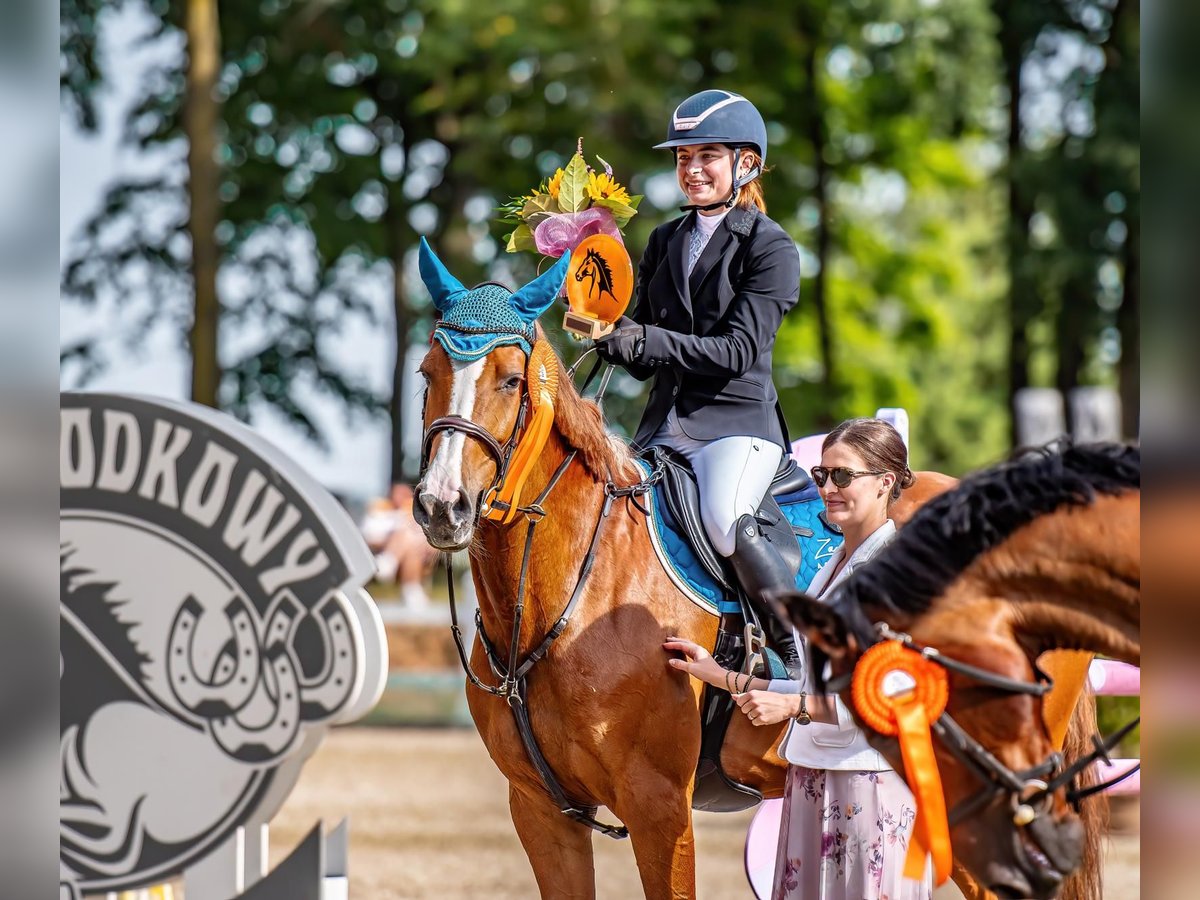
(817, 543)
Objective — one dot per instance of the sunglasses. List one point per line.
(841, 475)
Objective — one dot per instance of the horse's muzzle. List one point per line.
(448, 524)
(1042, 855)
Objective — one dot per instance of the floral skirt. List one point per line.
(844, 836)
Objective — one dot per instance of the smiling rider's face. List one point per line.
(705, 173)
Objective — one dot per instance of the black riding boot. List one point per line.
(760, 568)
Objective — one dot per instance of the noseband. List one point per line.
(501, 453)
(1029, 790)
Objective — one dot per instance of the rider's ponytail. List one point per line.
(752, 194)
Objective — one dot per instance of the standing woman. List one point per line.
(847, 816)
(712, 289)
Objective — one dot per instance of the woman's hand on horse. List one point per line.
(768, 707)
(699, 662)
(623, 345)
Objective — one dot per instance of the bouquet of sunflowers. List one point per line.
(574, 203)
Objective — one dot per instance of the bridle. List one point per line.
(501, 453)
(1029, 790)
(510, 669)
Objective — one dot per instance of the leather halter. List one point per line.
(1028, 789)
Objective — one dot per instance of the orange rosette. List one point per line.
(899, 693)
(541, 381)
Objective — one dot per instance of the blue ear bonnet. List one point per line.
(476, 322)
(482, 320)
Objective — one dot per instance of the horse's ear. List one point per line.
(535, 298)
(819, 622)
(444, 288)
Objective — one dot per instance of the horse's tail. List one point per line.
(1086, 883)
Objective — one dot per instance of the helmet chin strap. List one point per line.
(737, 187)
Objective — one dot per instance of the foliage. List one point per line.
(349, 129)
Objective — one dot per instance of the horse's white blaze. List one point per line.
(443, 479)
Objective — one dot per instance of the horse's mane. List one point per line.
(952, 530)
(580, 423)
(601, 264)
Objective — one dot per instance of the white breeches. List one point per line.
(734, 474)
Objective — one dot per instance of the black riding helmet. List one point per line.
(719, 117)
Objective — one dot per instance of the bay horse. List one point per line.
(1038, 554)
(615, 724)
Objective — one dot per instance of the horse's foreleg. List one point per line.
(657, 810)
(559, 849)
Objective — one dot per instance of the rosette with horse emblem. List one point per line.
(599, 285)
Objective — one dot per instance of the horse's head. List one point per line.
(1027, 860)
(477, 393)
(990, 576)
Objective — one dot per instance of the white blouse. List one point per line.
(842, 746)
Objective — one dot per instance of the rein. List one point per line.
(1028, 789)
(512, 672)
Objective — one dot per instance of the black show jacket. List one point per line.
(709, 338)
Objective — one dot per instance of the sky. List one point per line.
(358, 462)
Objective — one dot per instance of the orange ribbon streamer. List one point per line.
(931, 833)
(907, 712)
(541, 376)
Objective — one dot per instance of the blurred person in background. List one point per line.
(402, 555)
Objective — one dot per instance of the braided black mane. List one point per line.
(952, 530)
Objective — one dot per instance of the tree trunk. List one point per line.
(200, 117)
(1021, 300)
(1075, 314)
(1129, 325)
(818, 138)
(399, 235)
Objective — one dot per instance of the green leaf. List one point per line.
(622, 212)
(521, 239)
(538, 203)
(572, 194)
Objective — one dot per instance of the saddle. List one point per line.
(791, 516)
(681, 496)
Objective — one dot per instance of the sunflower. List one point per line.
(604, 187)
(555, 184)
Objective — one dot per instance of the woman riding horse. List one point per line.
(713, 287)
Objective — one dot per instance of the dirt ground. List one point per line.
(429, 818)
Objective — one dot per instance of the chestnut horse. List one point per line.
(1042, 553)
(615, 724)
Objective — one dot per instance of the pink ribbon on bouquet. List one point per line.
(561, 232)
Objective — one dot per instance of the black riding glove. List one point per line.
(624, 344)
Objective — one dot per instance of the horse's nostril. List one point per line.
(461, 511)
(423, 507)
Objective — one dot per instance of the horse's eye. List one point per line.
(511, 383)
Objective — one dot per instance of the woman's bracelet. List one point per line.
(735, 689)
